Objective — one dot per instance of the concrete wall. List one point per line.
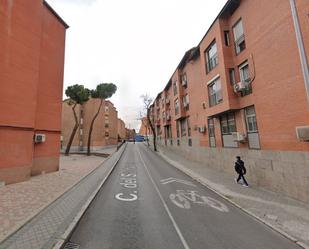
(285, 172)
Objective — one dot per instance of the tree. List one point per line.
(78, 95)
(103, 91)
(147, 100)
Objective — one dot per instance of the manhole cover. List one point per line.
(71, 245)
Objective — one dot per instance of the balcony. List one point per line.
(212, 63)
(167, 120)
(240, 44)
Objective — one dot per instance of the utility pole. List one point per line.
(301, 48)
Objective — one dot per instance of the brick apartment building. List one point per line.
(241, 91)
(144, 128)
(105, 129)
(32, 42)
(121, 129)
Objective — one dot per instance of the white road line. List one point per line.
(184, 243)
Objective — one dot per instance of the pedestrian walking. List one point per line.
(241, 171)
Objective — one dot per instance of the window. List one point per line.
(211, 132)
(183, 127)
(106, 125)
(106, 134)
(177, 129)
(228, 124)
(239, 37)
(185, 100)
(232, 76)
(106, 108)
(214, 92)
(227, 38)
(211, 57)
(184, 80)
(176, 107)
(189, 127)
(244, 74)
(252, 129)
(175, 87)
(251, 120)
(211, 127)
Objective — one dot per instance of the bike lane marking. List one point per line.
(182, 199)
(183, 241)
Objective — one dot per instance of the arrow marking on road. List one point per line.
(172, 179)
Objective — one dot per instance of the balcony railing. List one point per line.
(240, 44)
(212, 62)
(215, 99)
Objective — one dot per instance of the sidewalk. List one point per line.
(36, 213)
(286, 215)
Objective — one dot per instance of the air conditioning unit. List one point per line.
(240, 86)
(167, 101)
(239, 137)
(202, 129)
(168, 117)
(185, 104)
(39, 138)
(302, 133)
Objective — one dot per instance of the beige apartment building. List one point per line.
(243, 90)
(105, 129)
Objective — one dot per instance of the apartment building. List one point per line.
(121, 129)
(242, 91)
(32, 41)
(144, 128)
(105, 128)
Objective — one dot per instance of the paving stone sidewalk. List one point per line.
(283, 213)
(39, 210)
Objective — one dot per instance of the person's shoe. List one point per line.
(246, 186)
(235, 180)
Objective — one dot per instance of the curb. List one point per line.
(204, 183)
(42, 208)
(69, 230)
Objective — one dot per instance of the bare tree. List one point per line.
(147, 101)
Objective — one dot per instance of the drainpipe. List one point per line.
(301, 49)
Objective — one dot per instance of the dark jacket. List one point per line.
(240, 167)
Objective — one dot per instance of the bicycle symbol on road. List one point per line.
(183, 199)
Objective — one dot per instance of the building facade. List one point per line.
(242, 91)
(121, 129)
(144, 128)
(32, 41)
(105, 128)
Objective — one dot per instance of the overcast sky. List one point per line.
(135, 44)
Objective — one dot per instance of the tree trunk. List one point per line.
(91, 127)
(67, 150)
(153, 131)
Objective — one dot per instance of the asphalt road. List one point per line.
(148, 204)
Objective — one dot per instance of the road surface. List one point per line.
(148, 204)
